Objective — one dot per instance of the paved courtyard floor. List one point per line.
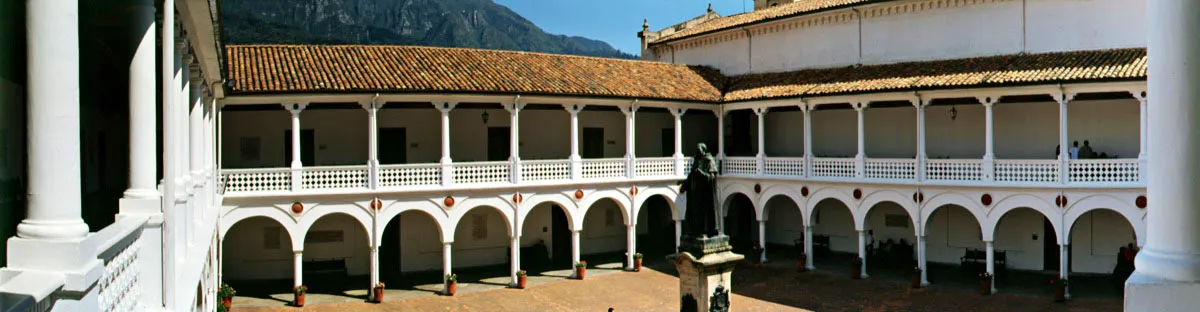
(773, 287)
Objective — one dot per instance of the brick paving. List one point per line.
(756, 288)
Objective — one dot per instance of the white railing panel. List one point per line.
(1026, 170)
(954, 169)
(894, 168)
(545, 170)
(833, 167)
(331, 178)
(256, 180)
(1103, 170)
(603, 168)
(784, 166)
(739, 165)
(481, 172)
(410, 175)
(687, 165)
(120, 243)
(654, 167)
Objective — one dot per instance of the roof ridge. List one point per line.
(274, 45)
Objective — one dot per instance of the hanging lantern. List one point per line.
(484, 116)
(953, 112)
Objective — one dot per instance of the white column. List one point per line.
(630, 120)
(54, 200)
(630, 245)
(808, 153)
(678, 155)
(762, 238)
(514, 145)
(446, 263)
(924, 264)
(761, 156)
(862, 250)
(447, 163)
(1062, 137)
(374, 269)
(143, 149)
(515, 255)
(720, 134)
(989, 154)
(576, 161)
(297, 165)
(196, 124)
(808, 247)
(372, 108)
(1143, 150)
(170, 90)
(991, 263)
(1063, 267)
(1168, 267)
(574, 249)
(860, 159)
(297, 268)
(181, 117)
(678, 232)
(920, 106)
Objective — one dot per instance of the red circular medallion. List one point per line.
(986, 199)
(579, 194)
(804, 191)
(297, 207)
(1141, 202)
(757, 188)
(857, 194)
(449, 201)
(633, 190)
(376, 204)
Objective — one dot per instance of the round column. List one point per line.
(862, 250)
(298, 268)
(143, 149)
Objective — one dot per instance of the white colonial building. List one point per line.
(943, 126)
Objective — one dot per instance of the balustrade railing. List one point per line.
(739, 165)
(1044, 171)
(119, 287)
(654, 167)
(410, 175)
(332, 178)
(891, 168)
(606, 168)
(784, 166)
(953, 169)
(545, 170)
(833, 167)
(256, 180)
(481, 172)
(1102, 170)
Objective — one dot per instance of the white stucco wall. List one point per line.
(244, 255)
(946, 33)
(835, 133)
(603, 229)
(891, 132)
(420, 247)
(949, 232)
(832, 218)
(877, 222)
(491, 248)
(1065, 25)
(785, 223)
(1015, 235)
(961, 137)
(1096, 240)
(784, 134)
(828, 45)
(730, 57)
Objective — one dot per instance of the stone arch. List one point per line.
(780, 190)
(877, 197)
(731, 189)
(667, 193)
(827, 193)
(430, 208)
(309, 219)
(618, 197)
(566, 204)
(1108, 202)
(499, 204)
(285, 220)
(940, 200)
(1004, 205)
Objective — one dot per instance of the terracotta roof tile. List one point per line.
(780, 11)
(359, 68)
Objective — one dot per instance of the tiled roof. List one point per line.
(359, 68)
(1075, 66)
(780, 11)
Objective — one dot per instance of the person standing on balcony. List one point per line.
(1074, 151)
(1086, 151)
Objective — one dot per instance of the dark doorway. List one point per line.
(393, 145)
(307, 147)
(668, 142)
(593, 143)
(499, 141)
(740, 224)
(659, 239)
(1049, 246)
(738, 138)
(389, 251)
(560, 238)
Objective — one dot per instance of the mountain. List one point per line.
(446, 23)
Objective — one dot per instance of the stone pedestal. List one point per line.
(705, 283)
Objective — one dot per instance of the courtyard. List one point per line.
(774, 286)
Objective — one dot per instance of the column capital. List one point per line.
(630, 110)
(514, 107)
(760, 111)
(445, 107)
(372, 104)
(1063, 97)
(296, 107)
(987, 100)
(860, 106)
(1140, 95)
(573, 108)
(678, 112)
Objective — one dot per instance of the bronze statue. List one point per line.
(701, 188)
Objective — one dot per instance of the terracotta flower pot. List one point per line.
(755, 257)
(580, 273)
(985, 287)
(1060, 293)
(451, 288)
(637, 264)
(521, 280)
(802, 264)
(916, 279)
(856, 272)
(227, 301)
(299, 302)
(378, 295)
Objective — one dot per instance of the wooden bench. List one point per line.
(977, 257)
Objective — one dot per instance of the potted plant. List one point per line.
(378, 290)
(580, 269)
(856, 271)
(637, 261)
(916, 277)
(985, 283)
(802, 263)
(522, 276)
(1060, 288)
(451, 284)
(226, 293)
(299, 291)
(755, 254)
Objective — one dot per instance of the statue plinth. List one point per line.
(705, 283)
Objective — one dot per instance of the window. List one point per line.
(479, 226)
(330, 236)
(250, 149)
(271, 237)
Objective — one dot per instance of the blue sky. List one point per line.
(615, 21)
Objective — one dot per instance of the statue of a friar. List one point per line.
(701, 216)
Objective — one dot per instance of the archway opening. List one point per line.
(740, 223)
(546, 238)
(835, 240)
(602, 240)
(785, 227)
(1026, 251)
(891, 238)
(336, 255)
(481, 249)
(656, 228)
(257, 258)
(1103, 245)
(953, 245)
(410, 252)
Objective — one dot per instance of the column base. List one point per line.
(140, 205)
(1147, 293)
(66, 230)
